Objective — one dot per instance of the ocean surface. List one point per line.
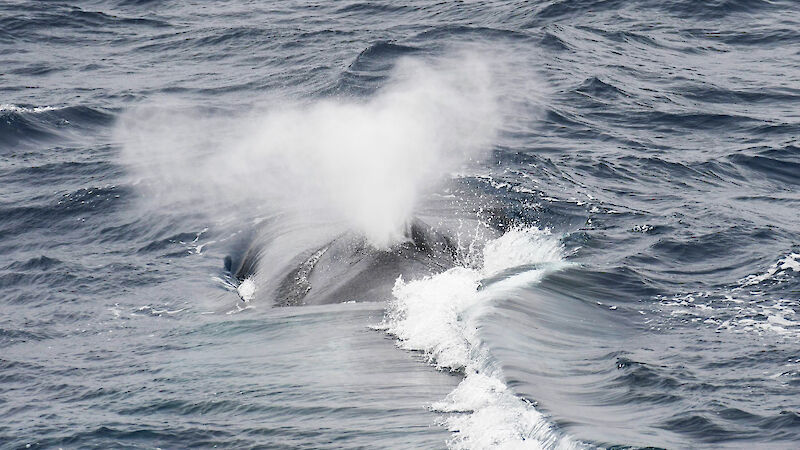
(558, 224)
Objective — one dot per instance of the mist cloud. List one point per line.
(362, 162)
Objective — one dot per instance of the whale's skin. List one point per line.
(348, 269)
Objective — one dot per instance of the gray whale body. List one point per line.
(348, 269)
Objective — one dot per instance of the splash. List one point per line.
(440, 316)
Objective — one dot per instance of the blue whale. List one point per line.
(347, 268)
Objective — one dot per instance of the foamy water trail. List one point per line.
(440, 316)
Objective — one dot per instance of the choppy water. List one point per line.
(203, 204)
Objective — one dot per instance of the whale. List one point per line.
(345, 268)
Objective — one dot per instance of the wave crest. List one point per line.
(440, 316)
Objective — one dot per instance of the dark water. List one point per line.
(609, 253)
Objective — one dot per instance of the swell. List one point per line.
(584, 345)
(42, 21)
(25, 126)
(370, 68)
(558, 9)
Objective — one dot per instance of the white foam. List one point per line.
(785, 264)
(736, 311)
(520, 247)
(439, 316)
(247, 289)
(487, 415)
(22, 109)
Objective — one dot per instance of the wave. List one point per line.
(370, 68)
(559, 9)
(441, 316)
(716, 8)
(774, 170)
(6, 107)
(45, 19)
(29, 124)
(778, 271)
